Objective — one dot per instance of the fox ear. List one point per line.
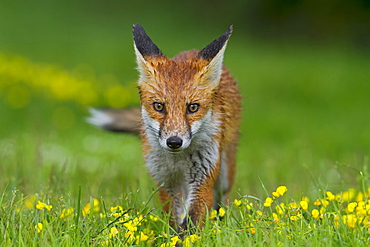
(144, 47)
(214, 54)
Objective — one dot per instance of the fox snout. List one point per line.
(174, 136)
(174, 142)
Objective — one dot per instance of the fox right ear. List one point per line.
(144, 47)
(214, 54)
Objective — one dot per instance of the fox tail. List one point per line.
(117, 120)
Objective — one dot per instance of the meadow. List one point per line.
(303, 160)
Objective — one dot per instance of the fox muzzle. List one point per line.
(174, 142)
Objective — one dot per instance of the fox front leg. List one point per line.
(201, 200)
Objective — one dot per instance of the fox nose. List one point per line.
(174, 142)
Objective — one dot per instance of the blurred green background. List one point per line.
(303, 68)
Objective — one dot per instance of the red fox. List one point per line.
(189, 125)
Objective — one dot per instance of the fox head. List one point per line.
(178, 95)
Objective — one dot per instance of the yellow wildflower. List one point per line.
(131, 226)
(237, 202)
(141, 238)
(39, 227)
(304, 205)
(153, 218)
(138, 220)
(280, 209)
(190, 239)
(293, 206)
(66, 212)
(315, 214)
(276, 217)
(213, 214)
(330, 196)
(351, 207)
(113, 232)
(275, 194)
(280, 191)
(317, 202)
(221, 212)
(325, 203)
(346, 196)
(268, 202)
(174, 240)
(117, 211)
(350, 220)
(86, 210)
(362, 209)
(40, 205)
(295, 217)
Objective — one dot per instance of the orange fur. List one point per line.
(191, 153)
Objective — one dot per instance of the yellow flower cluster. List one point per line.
(174, 241)
(349, 209)
(21, 80)
(280, 191)
(39, 227)
(214, 213)
(355, 214)
(128, 226)
(91, 206)
(40, 205)
(66, 212)
(243, 204)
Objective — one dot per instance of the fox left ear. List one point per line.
(214, 54)
(144, 48)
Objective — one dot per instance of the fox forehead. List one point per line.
(177, 71)
(169, 79)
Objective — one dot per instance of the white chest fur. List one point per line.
(180, 173)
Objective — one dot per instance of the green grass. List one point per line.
(305, 126)
(307, 133)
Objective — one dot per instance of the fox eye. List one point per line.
(158, 106)
(193, 108)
